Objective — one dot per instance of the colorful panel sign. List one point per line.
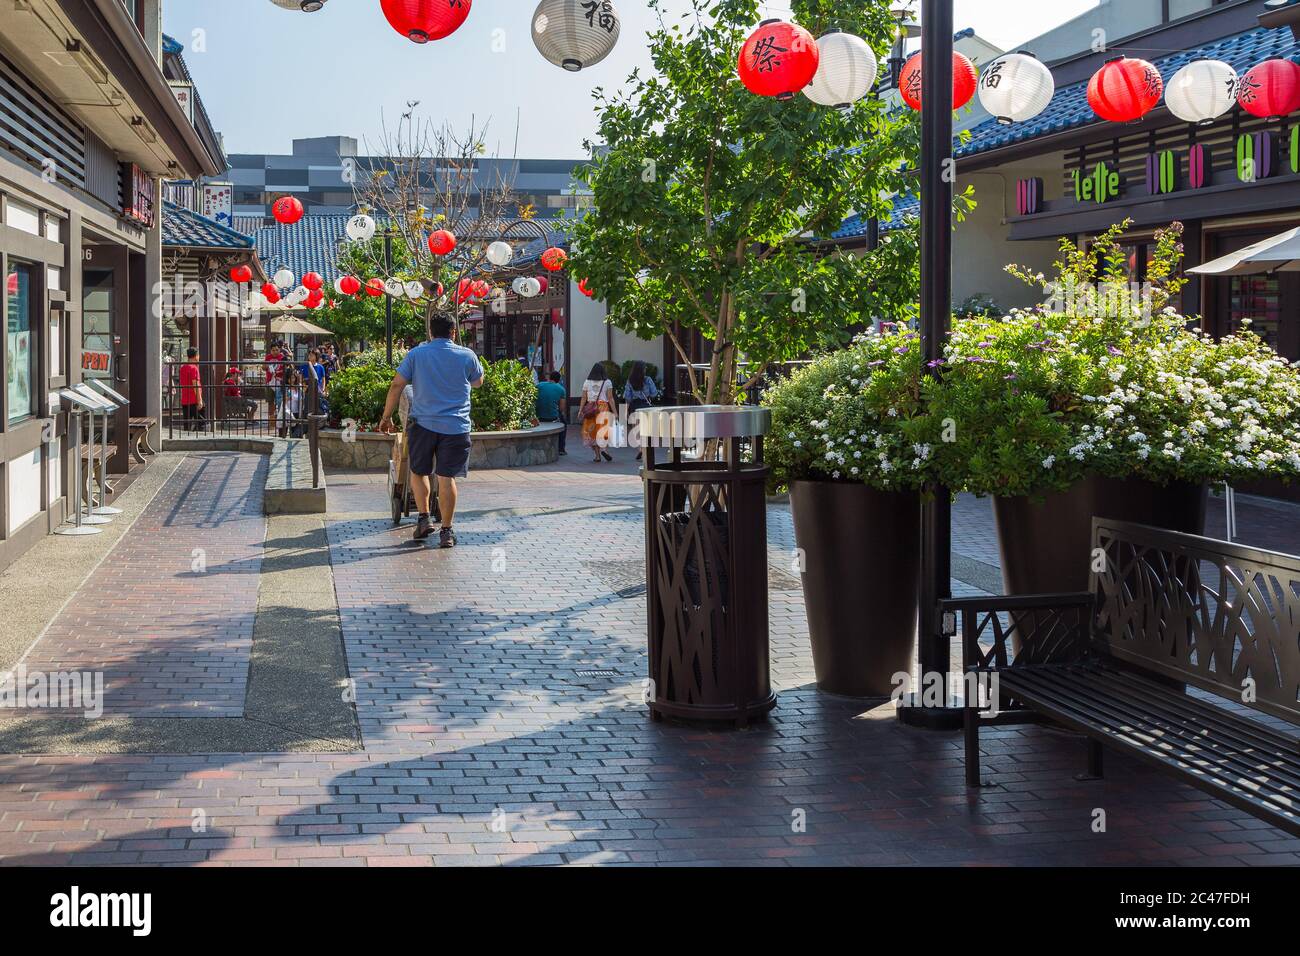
(1099, 186)
(1029, 197)
(1162, 172)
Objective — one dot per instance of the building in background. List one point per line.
(89, 125)
(322, 171)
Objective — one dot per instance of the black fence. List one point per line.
(246, 400)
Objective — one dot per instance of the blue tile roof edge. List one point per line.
(223, 236)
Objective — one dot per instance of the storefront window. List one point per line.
(97, 324)
(1259, 300)
(20, 359)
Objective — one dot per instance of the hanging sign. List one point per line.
(217, 202)
(138, 195)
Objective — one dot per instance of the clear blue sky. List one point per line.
(270, 75)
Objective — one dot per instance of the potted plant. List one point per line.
(1103, 402)
(850, 441)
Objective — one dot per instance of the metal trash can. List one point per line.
(706, 563)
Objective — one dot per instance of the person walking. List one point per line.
(639, 392)
(192, 392)
(597, 411)
(553, 405)
(443, 376)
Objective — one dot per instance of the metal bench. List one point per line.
(139, 429)
(1185, 655)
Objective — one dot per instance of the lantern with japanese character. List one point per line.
(1202, 91)
(779, 59)
(575, 34)
(361, 228)
(421, 21)
(1270, 90)
(442, 243)
(964, 80)
(287, 210)
(1016, 87)
(284, 278)
(1124, 90)
(554, 258)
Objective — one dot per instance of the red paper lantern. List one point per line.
(423, 20)
(350, 285)
(553, 259)
(545, 283)
(375, 288)
(779, 59)
(1125, 90)
(11, 283)
(480, 289)
(965, 79)
(441, 242)
(269, 289)
(241, 275)
(1270, 90)
(585, 289)
(313, 281)
(314, 299)
(287, 210)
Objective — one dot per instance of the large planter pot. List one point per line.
(1046, 545)
(861, 578)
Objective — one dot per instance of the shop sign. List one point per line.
(1162, 172)
(96, 361)
(138, 195)
(1099, 186)
(1029, 197)
(217, 202)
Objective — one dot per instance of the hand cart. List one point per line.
(401, 497)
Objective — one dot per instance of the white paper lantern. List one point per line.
(518, 285)
(361, 228)
(303, 6)
(415, 290)
(1016, 87)
(338, 286)
(284, 279)
(500, 253)
(846, 73)
(395, 287)
(530, 288)
(1202, 91)
(575, 34)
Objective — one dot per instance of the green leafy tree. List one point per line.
(710, 201)
(361, 317)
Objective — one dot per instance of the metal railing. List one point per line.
(752, 388)
(263, 401)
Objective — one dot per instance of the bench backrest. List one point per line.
(1207, 613)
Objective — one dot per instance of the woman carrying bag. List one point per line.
(639, 392)
(597, 412)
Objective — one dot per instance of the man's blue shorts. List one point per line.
(450, 451)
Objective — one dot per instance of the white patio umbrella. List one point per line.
(292, 325)
(1280, 253)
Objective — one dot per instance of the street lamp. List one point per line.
(936, 183)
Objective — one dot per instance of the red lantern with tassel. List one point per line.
(442, 242)
(1124, 90)
(241, 275)
(421, 21)
(554, 258)
(287, 210)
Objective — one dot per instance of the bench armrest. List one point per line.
(1035, 629)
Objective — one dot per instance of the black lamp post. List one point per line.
(938, 174)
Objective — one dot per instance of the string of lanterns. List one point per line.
(572, 34)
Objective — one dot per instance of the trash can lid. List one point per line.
(682, 425)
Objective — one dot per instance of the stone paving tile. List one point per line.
(485, 747)
(171, 641)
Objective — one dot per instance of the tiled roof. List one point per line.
(1069, 108)
(312, 245)
(906, 208)
(184, 228)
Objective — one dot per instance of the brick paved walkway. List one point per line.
(171, 638)
(484, 742)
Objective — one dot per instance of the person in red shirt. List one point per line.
(236, 404)
(192, 392)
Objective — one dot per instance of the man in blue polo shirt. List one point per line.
(442, 375)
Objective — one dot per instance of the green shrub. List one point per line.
(358, 393)
(507, 400)
(375, 356)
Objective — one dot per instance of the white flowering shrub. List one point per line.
(1115, 384)
(854, 415)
